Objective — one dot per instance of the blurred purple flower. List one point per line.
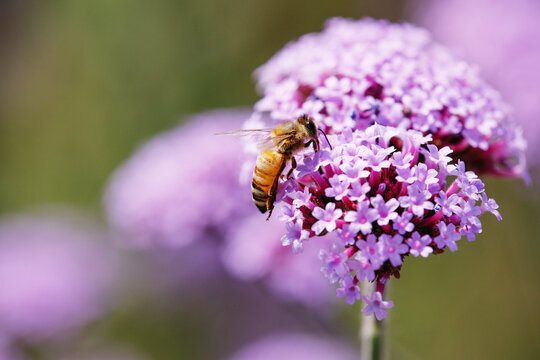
(54, 276)
(357, 73)
(295, 346)
(502, 37)
(253, 251)
(395, 218)
(181, 185)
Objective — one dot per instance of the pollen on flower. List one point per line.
(394, 217)
(357, 73)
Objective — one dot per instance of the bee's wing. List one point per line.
(261, 137)
(246, 132)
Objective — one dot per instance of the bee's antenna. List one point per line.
(326, 138)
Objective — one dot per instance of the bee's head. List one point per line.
(309, 125)
(311, 128)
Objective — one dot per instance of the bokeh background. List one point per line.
(83, 83)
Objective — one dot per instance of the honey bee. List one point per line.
(285, 140)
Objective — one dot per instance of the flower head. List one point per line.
(181, 185)
(358, 73)
(395, 218)
(54, 276)
(510, 62)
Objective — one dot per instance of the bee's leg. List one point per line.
(314, 143)
(273, 192)
(271, 198)
(270, 202)
(293, 166)
(269, 213)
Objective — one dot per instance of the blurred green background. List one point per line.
(84, 82)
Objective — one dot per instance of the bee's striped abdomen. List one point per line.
(269, 166)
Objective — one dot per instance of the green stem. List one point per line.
(373, 333)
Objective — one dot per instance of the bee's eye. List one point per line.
(310, 126)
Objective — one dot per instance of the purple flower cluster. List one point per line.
(54, 277)
(388, 193)
(180, 186)
(510, 61)
(357, 73)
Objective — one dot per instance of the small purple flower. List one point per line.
(347, 234)
(327, 218)
(402, 161)
(468, 213)
(301, 198)
(419, 245)
(470, 184)
(355, 169)
(308, 165)
(376, 157)
(363, 267)
(393, 247)
(376, 305)
(385, 210)
(403, 224)
(447, 237)
(406, 174)
(435, 157)
(289, 212)
(313, 109)
(359, 191)
(349, 290)
(334, 264)
(448, 205)
(362, 218)
(491, 206)
(334, 89)
(295, 236)
(338, 187)
(417, 199)
(426, 176)
(370, 249)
